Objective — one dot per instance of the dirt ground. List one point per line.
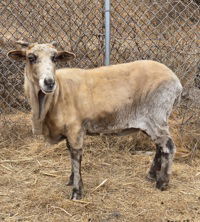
(34, 175)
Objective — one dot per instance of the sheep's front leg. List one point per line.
(76, 157)
(71, 178)
(74, 143)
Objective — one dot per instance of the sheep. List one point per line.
(70, 103)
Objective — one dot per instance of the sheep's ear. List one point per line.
(23, 43)
(54, 43)
(64, 56)
(18, 55)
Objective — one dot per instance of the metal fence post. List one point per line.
(107, 32)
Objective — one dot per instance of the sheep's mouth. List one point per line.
(41, 101)
(47, 91)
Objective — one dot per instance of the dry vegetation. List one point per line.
(34, 174)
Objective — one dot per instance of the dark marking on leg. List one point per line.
(67, 143)
(76, 194)
(167, 153)
(170, 145)
(156, 165)
(74, 142)
(76, 156)
(163, 175)
(71, 177)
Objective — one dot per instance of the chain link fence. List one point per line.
(164, 30)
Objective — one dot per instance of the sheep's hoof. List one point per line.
(162, 185)
(76, 194)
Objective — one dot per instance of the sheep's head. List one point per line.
(41, 62)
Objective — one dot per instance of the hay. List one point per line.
(34, 176)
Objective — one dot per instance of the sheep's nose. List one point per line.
(49, 82)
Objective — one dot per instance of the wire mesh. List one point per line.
(164, 30)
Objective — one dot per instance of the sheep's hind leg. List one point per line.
(160, 169)
(167, 153)
(156, 165)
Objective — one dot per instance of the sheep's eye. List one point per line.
(32, 58)
(53, 58)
